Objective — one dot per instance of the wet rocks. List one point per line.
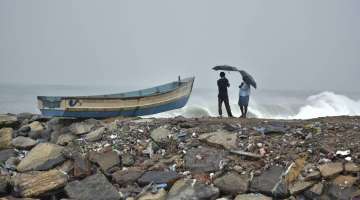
(38, 183)
(128, 176)
(92, 187)
(204, 159)
(160, 134)
(8, 121)
(232, 183)
(24, 143)
(331, 169)
(191, 189)
(220, 138)
(157, 177)
(43, 156)
(95, 135)
(6, 135)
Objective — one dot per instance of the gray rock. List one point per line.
(25, 129)
(300, 186)
(6, 135)
(92, 187)
(160, 134)
(127, 177)
(23, 143)
(220, 138)
(157, 177)
(11, 163)
(334, 191)
(232, 183)
(36, 127)
(252, 196)
(204, 159)
(192, 189)
(8, 121)
(95, 135)
(6, 154)
(106, 161)
(270, 182)
(43, 156)
(315, 191)
(80, 128)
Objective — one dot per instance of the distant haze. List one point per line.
(292, 45)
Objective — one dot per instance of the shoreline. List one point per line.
(174, 158)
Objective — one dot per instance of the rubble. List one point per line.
(179, 158)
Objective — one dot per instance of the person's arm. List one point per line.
(227, 83)
(241, 85)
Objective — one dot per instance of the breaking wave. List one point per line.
(318, 105)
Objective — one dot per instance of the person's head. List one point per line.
(222, 74)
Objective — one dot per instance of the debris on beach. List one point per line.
(179, 158)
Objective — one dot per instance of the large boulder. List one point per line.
(43, 156)
(329, 170)
(220, 138)
(8, 121)
(192, 189)
(24, 143)
(158, 177)
(204, 159)
(36, 184)
(92, 187)
(232, 183)
(6, 135)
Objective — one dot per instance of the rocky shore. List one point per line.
(179, 158)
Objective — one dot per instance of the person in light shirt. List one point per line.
(244, 97)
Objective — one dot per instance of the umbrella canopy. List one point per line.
(248, 78)
(225, 68)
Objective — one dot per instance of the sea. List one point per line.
(270, 104)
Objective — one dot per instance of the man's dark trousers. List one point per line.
(224, 99)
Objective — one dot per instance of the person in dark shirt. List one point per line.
(223, 84)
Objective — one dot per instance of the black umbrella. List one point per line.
(246, 76)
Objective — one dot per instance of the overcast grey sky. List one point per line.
(285, 44)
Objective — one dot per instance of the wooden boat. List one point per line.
(149, 101)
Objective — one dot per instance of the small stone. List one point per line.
(66, 167)
(23, 143)
(6, 135)
(92, 187)
(213, 158)
(192, 189)
(300, 186)
(8, 121)
(160, 195)
(160, 134)
(352, 168)
(315, 191)
(345, 181)
(6, 154)
(36, 126)
(252, 196)
(82, 167)
(65, 139)
(43, 156)
(127, 177)
(331, 169)
(106, 160)
(158, 177)
(232, 183)
(127, 160)
(95, 135)
(81, 128)
(247, 155)
(315, 175)
(38, 183)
